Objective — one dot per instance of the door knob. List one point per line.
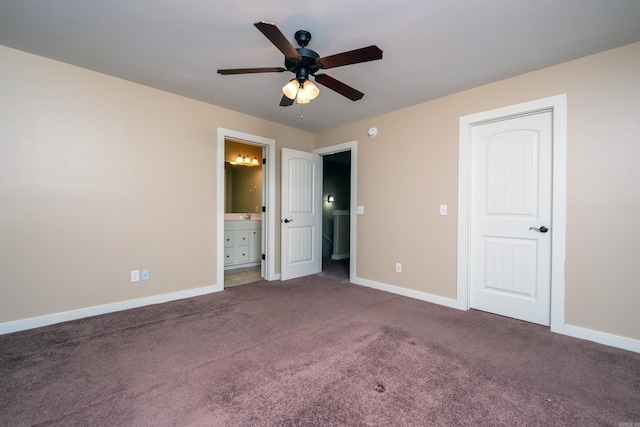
(286, 220)
(542, 229)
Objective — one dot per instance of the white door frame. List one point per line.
(269, 194)
(558, 106)
(353, 147)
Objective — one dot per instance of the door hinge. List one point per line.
(264, 209)
(264, 161)
(264, 257)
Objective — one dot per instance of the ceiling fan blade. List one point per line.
(365, 54)
(286, 102)
(278, 39)
(252, 70)
(339, 87)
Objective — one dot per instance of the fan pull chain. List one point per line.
(301, 116)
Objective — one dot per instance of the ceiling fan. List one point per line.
(305, 62)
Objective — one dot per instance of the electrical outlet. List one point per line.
(145, 274)
(398, 267)
(135, 275)
(360, 210)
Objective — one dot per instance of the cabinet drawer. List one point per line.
(241, 254)
(248, 225)
(229, 239)
(228, 256)
(242, 237)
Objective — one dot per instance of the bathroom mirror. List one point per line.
(243, 188)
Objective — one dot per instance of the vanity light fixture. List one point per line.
(246, 161)
(330, 198)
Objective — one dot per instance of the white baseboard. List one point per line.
(65, 316)
(423, 296)
(600, 337)
(569, 330)
(604, 338)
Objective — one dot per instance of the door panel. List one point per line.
(301, 210)
(511, 193)
(510, 266)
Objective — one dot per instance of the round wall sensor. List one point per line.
(372, 131)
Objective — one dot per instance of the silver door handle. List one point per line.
(542, 229)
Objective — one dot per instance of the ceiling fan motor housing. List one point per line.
(307, 65)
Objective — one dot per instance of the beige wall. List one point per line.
(402, 223)
(100, 176)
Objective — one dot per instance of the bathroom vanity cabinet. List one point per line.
(242, 243)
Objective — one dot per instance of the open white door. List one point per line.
(301, 214)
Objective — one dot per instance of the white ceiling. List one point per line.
(431, 48)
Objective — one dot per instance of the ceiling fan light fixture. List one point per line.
(290, 89)
(302, 97)
(310, 90)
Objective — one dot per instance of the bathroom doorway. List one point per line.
(243, 188)
(245, 216)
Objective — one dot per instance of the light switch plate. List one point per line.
(360, 210)
(145, 274)
(443, 209)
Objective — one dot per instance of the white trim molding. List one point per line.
(558, 106)
(422, 296)
(81, 313)
(601, 337)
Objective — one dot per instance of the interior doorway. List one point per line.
(243, 189)
(339, 206)
(260, 244)
(557, 105)
(336, 189)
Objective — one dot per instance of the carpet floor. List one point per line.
(315, 351)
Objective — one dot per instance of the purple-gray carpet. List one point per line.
(309, 352)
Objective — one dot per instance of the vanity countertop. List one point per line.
(240, 217)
